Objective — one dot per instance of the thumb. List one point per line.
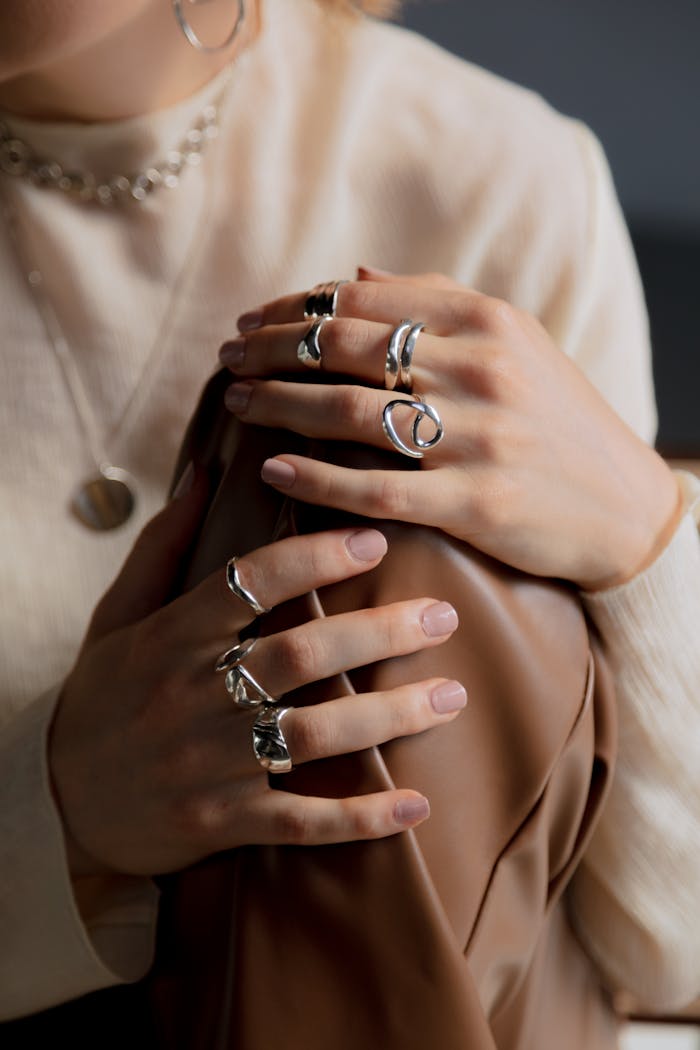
(147, 577)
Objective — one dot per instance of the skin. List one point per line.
(555, 486)
(151, 764)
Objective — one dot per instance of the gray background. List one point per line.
(631, 70)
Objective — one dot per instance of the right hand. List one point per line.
(152, 763)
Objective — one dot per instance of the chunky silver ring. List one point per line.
(392, 365)
(235, 655)
(309, 349)
(269, 746)
(235, 585)
(420, 444)
(322, 300)
(246, 690)
(405, 382)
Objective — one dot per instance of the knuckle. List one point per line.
(357, 297)
(353, 407)
(390, 498)
(492, 506)
(293, 825)
(494, 438)
(362, 820)
(197, 817)
(311, 734)
(347, 335)
(296, 655)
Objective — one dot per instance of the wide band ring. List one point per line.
(420, 445)
(235, 585)
(309, 349)
(322, 300)
(269, 746)
(246, 690)
(399, 355)
(235, 655)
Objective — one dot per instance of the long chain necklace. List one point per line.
(106, 499)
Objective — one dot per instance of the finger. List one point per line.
(273, 574)
(279, 817)
(147, 576)
(443, 305)
(328, 646)
(387, 494)
(353, 723)
(339, 413)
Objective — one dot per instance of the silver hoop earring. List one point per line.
(192, 37)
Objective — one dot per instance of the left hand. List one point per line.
(535, 469)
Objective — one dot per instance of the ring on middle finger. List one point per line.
(235, 655)
(309, 349)
(399, 355)
(246, 690)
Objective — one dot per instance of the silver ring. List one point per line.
(405, 383)
(235, 655)
(269, 746)
(195, 41)
(322, 300)
(246, 690)
(392, 365)
(235, 585)
(420, 444)
(309, 350)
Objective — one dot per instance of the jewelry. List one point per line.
(17, 158)
(420, 445)
(405, 383)
(309, 350)
(322, 300)
(245, 690)
(235, 655)
(192, 37)
(393, 353)
(107, 499)
(269, 745)
(235, 585)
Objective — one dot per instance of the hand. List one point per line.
(535, 468)
(151, 760)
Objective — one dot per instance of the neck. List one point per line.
(139, 67)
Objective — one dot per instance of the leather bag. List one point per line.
(455, 934)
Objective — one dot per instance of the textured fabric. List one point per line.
(419, 162)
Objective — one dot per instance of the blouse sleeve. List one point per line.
(635, 900)
(60, 939)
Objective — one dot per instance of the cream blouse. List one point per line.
(340, 144)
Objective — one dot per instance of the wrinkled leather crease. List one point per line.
(454, 935)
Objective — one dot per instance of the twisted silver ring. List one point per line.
(235, 585)
(246, 690)
(322, 300)
(405, 382)
(420, 445)
(269, 746)
(309, 349)
(235, 655)
(392, 365)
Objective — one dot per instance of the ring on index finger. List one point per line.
(322, 300)
(309, 349)
(241, 592)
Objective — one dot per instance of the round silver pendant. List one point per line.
(105, 501)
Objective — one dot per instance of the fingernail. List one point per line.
(366, 545)
(373, 270)
(237, 397)
(411, 810)
(439, 619)
(185, 483)
(250, 320)
(274, 471)
(232, 354)
(450, 696)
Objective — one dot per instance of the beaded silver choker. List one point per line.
(18, 159)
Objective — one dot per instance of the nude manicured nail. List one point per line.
(275, 472)
(411, 810)
(439, 619)
(367, 545)
(448, 697)
(232, 354)
(250, 320)
(237, 397)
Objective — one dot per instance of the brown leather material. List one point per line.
(452, 935)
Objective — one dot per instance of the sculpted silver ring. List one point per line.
(405, 382)
(269, 745)
(235, 655)
(235, 585)
(392, 365)
(322, 300)
(420, 445)
(309, 349)
(245, 690)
